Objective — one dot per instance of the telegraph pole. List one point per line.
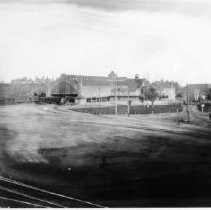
(114, 78)
(128, 101)
(116, 97)
(99, 101)
(188, 103)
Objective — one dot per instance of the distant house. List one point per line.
(21, 92)
(196, 91)
(165, 91)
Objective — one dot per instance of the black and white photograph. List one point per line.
(105, 103)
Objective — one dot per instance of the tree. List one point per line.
(150, 94)
(208, 97)
(179, 95)
(136, 76)
(141, 98)
(112, 75)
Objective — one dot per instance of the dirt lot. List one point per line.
(135, 161)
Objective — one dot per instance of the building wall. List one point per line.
(21, 92)
(170, 92)
(196, 91)
(95, 91)
(64, 85)
(87, 86)
(105, 91)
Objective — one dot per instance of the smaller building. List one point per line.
(22, 92)
(165, 91)
(196, 91)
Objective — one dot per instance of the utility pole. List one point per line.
(188, 103)
(116, 97)
(128, 101)
(178, 114)
(99, 101)
(114, 78)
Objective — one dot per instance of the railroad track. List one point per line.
(198, 115)
(18, 194)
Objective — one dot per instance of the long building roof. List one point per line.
(200, 85)
(92, 78)
(130, 84)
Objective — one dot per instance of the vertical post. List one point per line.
(187, 94)
(202, 107)
(48, 89)
(177, 116)
(99, 101)
(188, 103)
(116, 97)
(128, 109)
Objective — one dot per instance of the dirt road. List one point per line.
(106, 160)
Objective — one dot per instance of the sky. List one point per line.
(157, 39)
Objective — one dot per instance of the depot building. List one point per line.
(86, 89)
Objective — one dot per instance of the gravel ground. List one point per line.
(137, 161)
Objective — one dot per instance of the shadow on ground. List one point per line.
(158, 172)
